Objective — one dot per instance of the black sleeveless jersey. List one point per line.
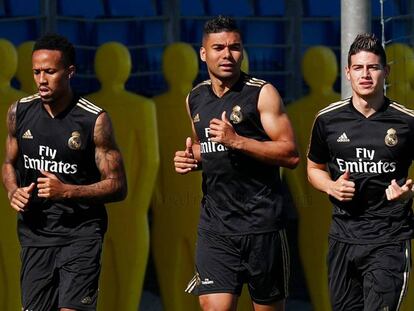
(240, 194)
(63, 146)
(374, 150)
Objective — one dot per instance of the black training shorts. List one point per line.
(369, 277)
(61, 276)
(225, 263)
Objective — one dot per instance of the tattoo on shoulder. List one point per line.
(107, 156)
(103, 134)
(11, 118)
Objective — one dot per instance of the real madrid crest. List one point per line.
(75, 141)
(236, 115)
(391, 138)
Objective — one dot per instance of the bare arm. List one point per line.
(18, 197)
(280, 150)
(189, 159)
(342, 189)
(113, 185)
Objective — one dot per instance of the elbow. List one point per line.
(123, 192)
(293, 162)
(120, 192)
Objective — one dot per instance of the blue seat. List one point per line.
(191, 30)
(230, 7)
(270, 7)
(2, 9)
(398, 30)
(132, 8)
(265, 58)
(148, 85)
(259, 32)
(263, 31)
(80, 8)
(192, 8)
(75, 31)
(390, 8)
(78, 32)
(23, 7)
(321, 32)
(125, 32)
(84, 85)
(321, 8)
(19, 31)
(153, 32)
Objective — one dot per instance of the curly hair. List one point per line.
(53, 41)
(219, 24)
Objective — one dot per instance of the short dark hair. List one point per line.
(220, 24)
(53, 41)
(370, 43)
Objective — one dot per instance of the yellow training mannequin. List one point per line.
(9, 245)
(133, 117)
(320, 69)
(400, 57)
(176, 200)
(24, 71)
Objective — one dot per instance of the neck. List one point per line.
(221, 86)
(368, 106)
(55, 107)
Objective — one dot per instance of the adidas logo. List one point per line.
(343, 138)
(196, 118)
(27, 135)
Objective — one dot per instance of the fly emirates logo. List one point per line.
(365, 163)
(210, 146)
(47, 162)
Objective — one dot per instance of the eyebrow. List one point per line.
(375, 64)
(223, 44)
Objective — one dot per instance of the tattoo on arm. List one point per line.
(108, 157)
(11, 154)
(11, 119)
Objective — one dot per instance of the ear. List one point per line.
(347, 74)
(71, 71)
(203, 54)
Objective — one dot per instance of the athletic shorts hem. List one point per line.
(268, 300)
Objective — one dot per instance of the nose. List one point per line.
(42, 77)
(227, 52)
(366, 72)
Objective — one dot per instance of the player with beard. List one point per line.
(242, 136)
(61, 165)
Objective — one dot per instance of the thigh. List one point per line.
(39, 278)
(79, 269)
(217, 265)
(345, 283)
(218, 301)
(268, 267)
(386, 276)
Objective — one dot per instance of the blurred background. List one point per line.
(294, 44)
(276, 32)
